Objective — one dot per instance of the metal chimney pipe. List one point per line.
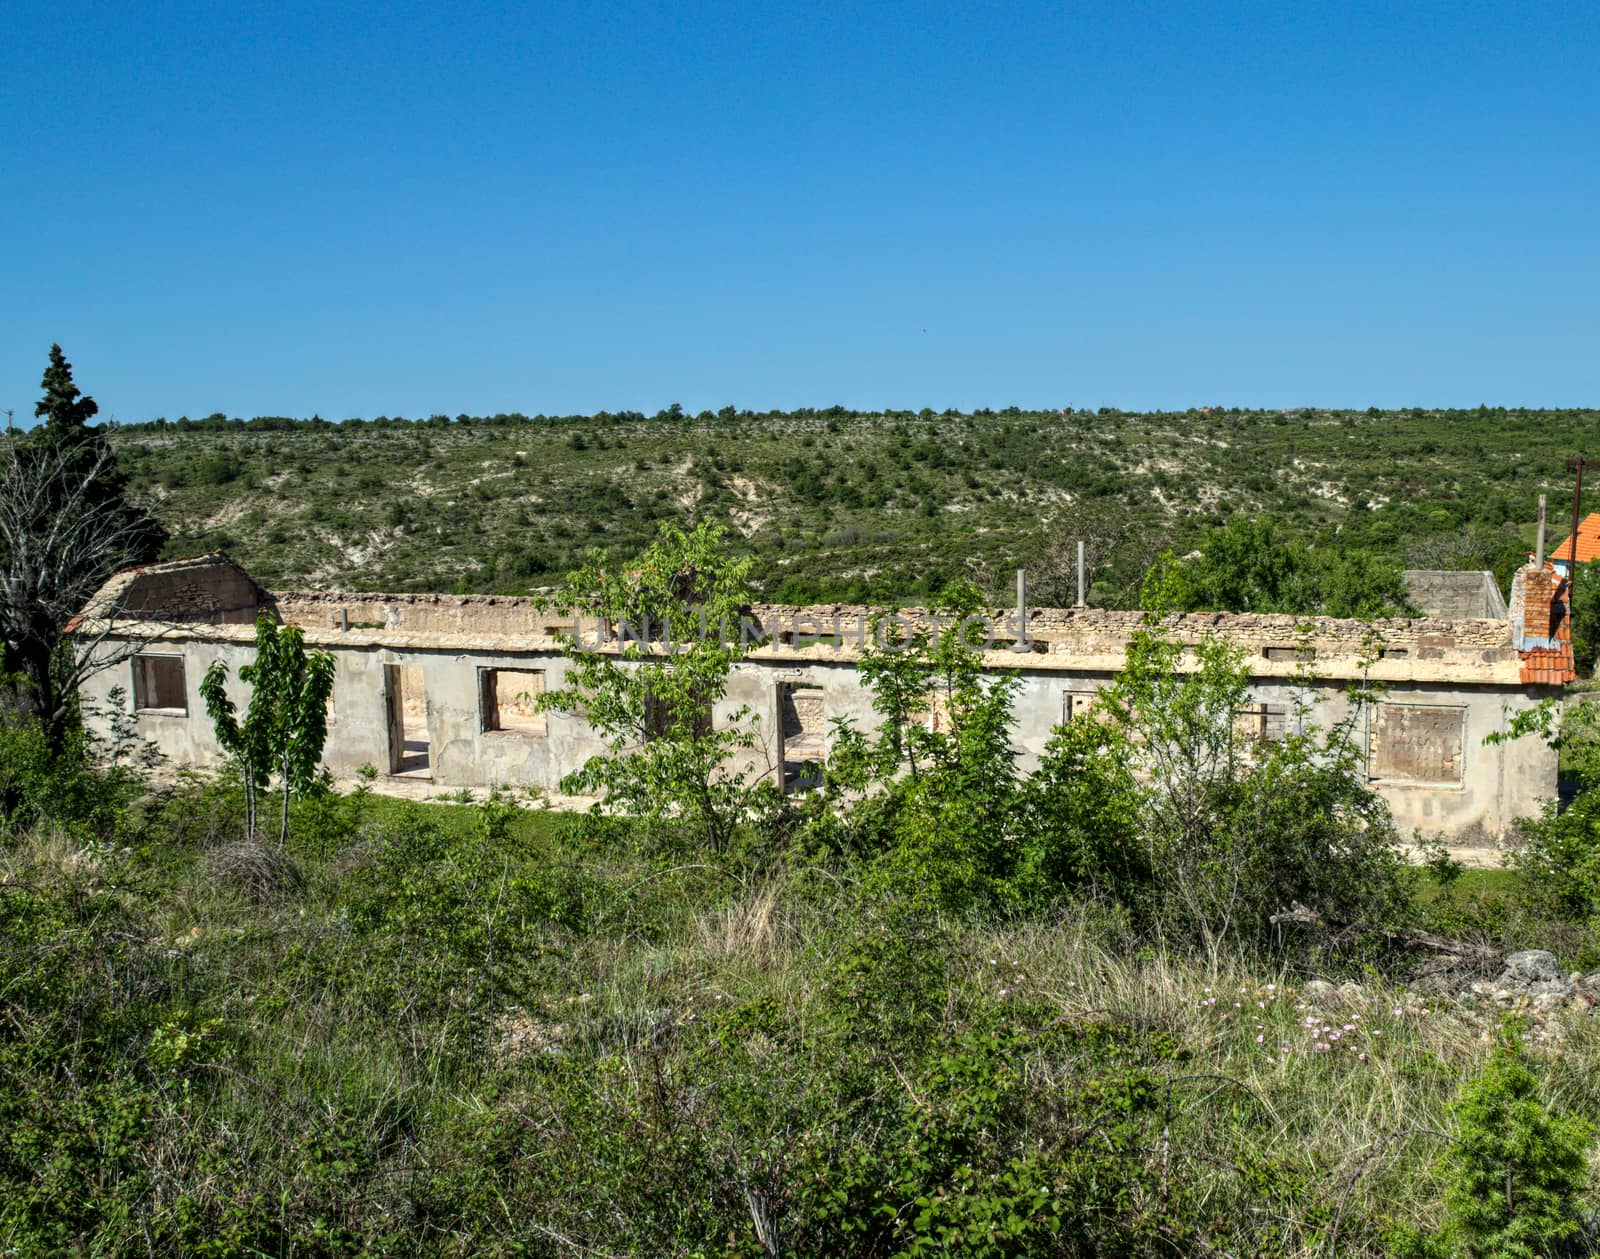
(1082, 587)
(1538, 559)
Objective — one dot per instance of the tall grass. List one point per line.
(557, 1043)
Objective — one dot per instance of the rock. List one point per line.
(1320, 990)
(1532, 984)
(522, 1036)
(1548, 1035)
(1530, 966)
(1351, 991)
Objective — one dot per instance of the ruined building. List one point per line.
(445, 687)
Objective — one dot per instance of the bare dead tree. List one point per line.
(1055, 571)
(1472, 546)
(61, 538)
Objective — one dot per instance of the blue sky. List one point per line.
(289, 208)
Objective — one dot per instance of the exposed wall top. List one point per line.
(520, 616)
(215, 600)
(511, 615)
(210, 589)
(1453, 595)
(212, 598)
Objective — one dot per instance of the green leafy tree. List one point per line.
(939, 773)
(1179, 726)
(1559, 860)
(1234, 828)
(1586, 617)
(1348, 581)
(286, 720)
(676, 624)
(1082, 815)
(922, 682)
(1252, 565)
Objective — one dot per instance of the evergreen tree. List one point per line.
(65, 526)
(65, 409)
(1519, 1172)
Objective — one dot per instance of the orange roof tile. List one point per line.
(1588, 542)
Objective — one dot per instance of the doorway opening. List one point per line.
(803, 735)
(406, 706)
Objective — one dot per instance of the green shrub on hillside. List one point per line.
(880, 507)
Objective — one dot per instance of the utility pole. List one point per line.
(1575, 465)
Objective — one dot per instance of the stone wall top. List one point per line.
(1095, 640)
(520, 616)
(207, 588)
(1461, 650)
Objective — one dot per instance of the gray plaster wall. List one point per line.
(1497, 783)
(1455, 595)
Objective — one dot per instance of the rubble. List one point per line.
(1530, 983)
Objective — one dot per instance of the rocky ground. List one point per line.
(1530, 983)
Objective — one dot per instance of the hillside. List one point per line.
(844, 505)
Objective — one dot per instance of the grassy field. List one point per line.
(841, 505)
(457, 1030)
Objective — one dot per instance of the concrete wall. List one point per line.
(1455, 595)
(1491, 785)
(1449, 682)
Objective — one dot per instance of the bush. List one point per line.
(1236, 829)
(1080, 823)
(84, 787)
(1559, 859)
(1517, 1174)
(84, 995)
(1154, 799)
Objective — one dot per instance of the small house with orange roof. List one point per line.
(1588, 546)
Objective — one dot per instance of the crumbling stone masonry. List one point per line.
(444, 687)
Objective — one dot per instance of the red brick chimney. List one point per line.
(1540, 628)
